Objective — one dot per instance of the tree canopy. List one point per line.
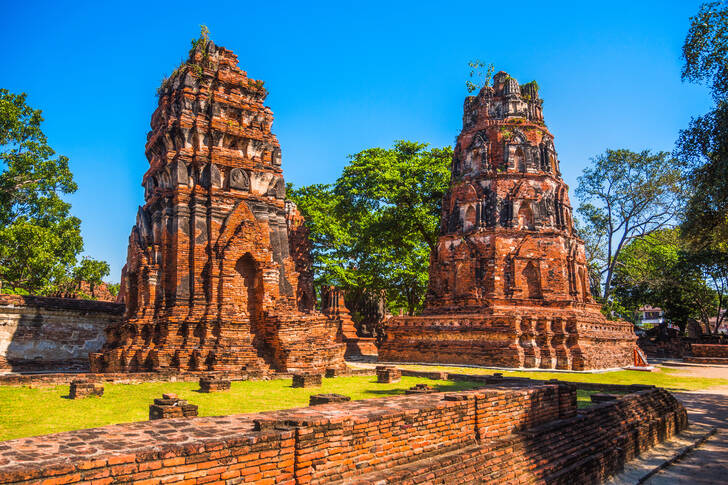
(703, 146)
(374, 228)
(39, 239)
(660, 271)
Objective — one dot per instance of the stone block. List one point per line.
(80, 388)
(307, 380)
(170, 406)
(326, 399)
(388, 373)
(214, 384)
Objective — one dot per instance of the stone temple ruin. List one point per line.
(216, 277)
(508, 281)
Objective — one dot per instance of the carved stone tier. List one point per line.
(212, 274)
(508, 278)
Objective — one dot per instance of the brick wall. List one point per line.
(52, 333)
(493, 433)
(709, 350)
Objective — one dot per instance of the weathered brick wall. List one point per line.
(497, 433)
(709, 350)
(52, 333)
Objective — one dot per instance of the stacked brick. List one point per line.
(307, 380)
(489, 435)
(212, 280)
(170, 406)
(388, 374)
(508, 283)
(214, 384)
(81, 388)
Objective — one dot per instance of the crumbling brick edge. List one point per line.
(526, 431)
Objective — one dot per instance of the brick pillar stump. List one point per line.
(307, 380)
(388, 373)
(327, 398)
(214, 384)
(81, 388)
(170, 406)
(420, 389)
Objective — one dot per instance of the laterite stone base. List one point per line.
(82, 388)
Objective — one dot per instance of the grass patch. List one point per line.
(663, 377)
(36, 411)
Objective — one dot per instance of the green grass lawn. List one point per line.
(665, 377)
(28, 411)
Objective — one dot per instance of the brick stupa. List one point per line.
(212, 276)
(508, 280)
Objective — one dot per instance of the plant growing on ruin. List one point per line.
(39, 238)
(481, 75)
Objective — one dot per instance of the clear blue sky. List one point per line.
(342, 77)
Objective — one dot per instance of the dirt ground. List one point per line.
(709, 463)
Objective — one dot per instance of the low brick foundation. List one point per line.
(307, 380)
(493, 434)
(387, 374)
(80, 388)
(318, 399)
(170, 406)
(214, 384)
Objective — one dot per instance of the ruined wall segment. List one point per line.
(41, 333)
(508, 280)
(210, 282)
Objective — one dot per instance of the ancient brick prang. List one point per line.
(508, 284)
(211, 280)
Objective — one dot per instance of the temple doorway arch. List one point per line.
(248, 270)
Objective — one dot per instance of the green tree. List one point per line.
(626, 195)
(39, 239)
(92, 272)
(703, 146)
(375, 227)
(659, 270)
(482, 73)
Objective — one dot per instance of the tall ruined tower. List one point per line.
(508, 280)
(211, 280)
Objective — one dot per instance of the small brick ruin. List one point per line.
(170, 406)
(316, 399)
(420, 389)
(80, 388)
(218, 271)
(214, 384)
(334, 307)
(508, 283)
(307, 380)
(387, 374)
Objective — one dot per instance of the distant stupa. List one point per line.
(508, 284)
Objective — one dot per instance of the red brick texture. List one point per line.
(497, 435)
(508, 278)
(709, 350)
(212, 278)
